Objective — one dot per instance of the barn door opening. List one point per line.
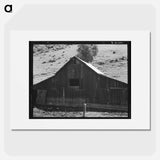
(41, 96)
(34, 96)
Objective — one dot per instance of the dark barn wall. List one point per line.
(111, 91)
(76, 83)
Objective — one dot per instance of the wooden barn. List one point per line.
(79, 82)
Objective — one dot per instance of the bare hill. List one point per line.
(48, 59)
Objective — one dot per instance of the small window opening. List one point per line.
(74, 82)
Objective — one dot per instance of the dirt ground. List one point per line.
(41, 113)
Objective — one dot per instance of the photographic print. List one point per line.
(80, 79)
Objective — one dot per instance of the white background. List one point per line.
(140, 83)
(118, 15)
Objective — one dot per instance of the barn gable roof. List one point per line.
(97, 71)
(87, 64)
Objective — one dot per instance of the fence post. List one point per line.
(84, 109)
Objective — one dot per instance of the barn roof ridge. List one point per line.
(91, 66)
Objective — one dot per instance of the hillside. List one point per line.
(48, 59)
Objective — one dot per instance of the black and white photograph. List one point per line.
(79, 79)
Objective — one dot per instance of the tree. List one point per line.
(87, 51)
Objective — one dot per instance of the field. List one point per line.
(41, 113)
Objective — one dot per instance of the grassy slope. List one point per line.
(111, 60)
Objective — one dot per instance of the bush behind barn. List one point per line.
(87, 52)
